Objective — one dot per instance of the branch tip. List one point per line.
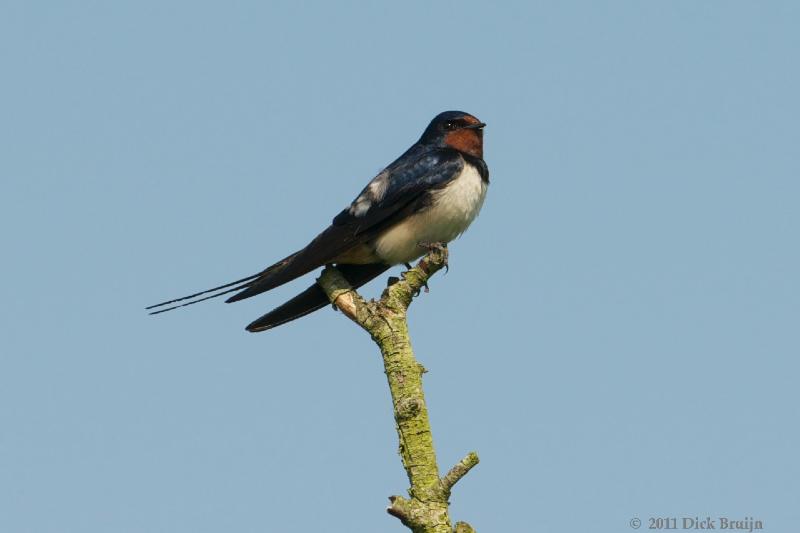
(459, 470)
(463, 527)
(398, 508)
(340, 293)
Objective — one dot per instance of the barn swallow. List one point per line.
(430, 194)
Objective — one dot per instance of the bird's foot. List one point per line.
(418, 291)
(438, 247)
(408, 267)
(392, 280)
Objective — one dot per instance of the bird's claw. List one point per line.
(425, 286)
(441, 248)
(408, 267)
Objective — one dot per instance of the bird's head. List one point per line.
(458, 130)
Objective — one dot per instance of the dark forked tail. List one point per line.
(314, 298)
(264, 280)
(240, 284)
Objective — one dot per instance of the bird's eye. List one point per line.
(449, 125)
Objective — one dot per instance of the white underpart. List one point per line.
(452, 211)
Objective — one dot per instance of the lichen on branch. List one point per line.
(426, 509)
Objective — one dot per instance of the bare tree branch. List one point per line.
(426, 511)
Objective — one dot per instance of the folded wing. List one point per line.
(403, 188)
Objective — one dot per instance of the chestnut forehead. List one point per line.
(469, 119)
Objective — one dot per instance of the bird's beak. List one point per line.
(478, 126)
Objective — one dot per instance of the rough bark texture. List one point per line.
(426, 508)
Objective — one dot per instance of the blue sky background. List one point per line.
(617, 336)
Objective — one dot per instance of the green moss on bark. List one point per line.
(426, 509)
